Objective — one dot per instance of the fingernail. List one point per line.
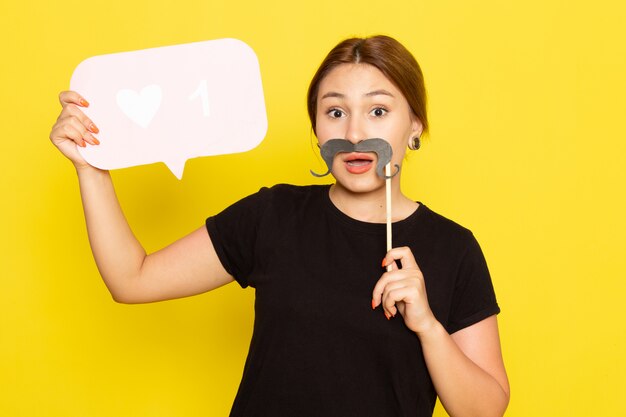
(82, 144)
(96, 141)
(384, 262)
(373, 304)
(387, 315)
(93, 128)
(83, 102)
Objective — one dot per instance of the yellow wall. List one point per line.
(527, 149)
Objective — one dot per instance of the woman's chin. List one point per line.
(363, 185)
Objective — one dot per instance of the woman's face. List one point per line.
(357, 102)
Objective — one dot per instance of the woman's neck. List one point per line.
(370, 207)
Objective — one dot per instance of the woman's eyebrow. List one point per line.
(378, 93)
(370, 94)
(333, 94)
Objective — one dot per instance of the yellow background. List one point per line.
(526, 149)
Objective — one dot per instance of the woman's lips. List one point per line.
(358, 163)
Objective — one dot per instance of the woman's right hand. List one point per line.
(73, 128)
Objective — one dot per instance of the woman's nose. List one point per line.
(355, 130)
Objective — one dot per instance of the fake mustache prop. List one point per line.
(380, 147)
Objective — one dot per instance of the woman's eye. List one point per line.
(379, 112)
(335, 113)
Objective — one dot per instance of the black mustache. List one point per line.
(380, 147)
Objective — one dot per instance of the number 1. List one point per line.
(204, 96)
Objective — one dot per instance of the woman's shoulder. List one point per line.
(443, 226)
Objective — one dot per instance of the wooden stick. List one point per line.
(388, 198)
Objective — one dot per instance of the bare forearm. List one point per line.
(464, 388)
(118, 254)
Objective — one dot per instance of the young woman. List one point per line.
(334, 334)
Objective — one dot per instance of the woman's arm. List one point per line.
(467, 367)
(186, 267)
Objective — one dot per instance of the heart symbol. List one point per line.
(140, 107)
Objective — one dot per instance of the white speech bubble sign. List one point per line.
(172, 103)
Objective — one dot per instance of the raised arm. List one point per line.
(188, 266)
(466, 367)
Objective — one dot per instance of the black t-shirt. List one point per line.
(318, 348)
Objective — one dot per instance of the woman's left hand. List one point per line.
(403, 290)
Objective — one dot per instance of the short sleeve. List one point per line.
(474, 298)
(233, 233)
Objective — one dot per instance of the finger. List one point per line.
(385, 279)
(395, 296)
(91, 139)
(389, 263)
(72, 97)
(379, 288)
(67, 132)
(85, 133)
(76, 112)
(396, 292)
(388, 302)
(402, 254)
(71, 128)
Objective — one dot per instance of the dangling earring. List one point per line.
(414, 143)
